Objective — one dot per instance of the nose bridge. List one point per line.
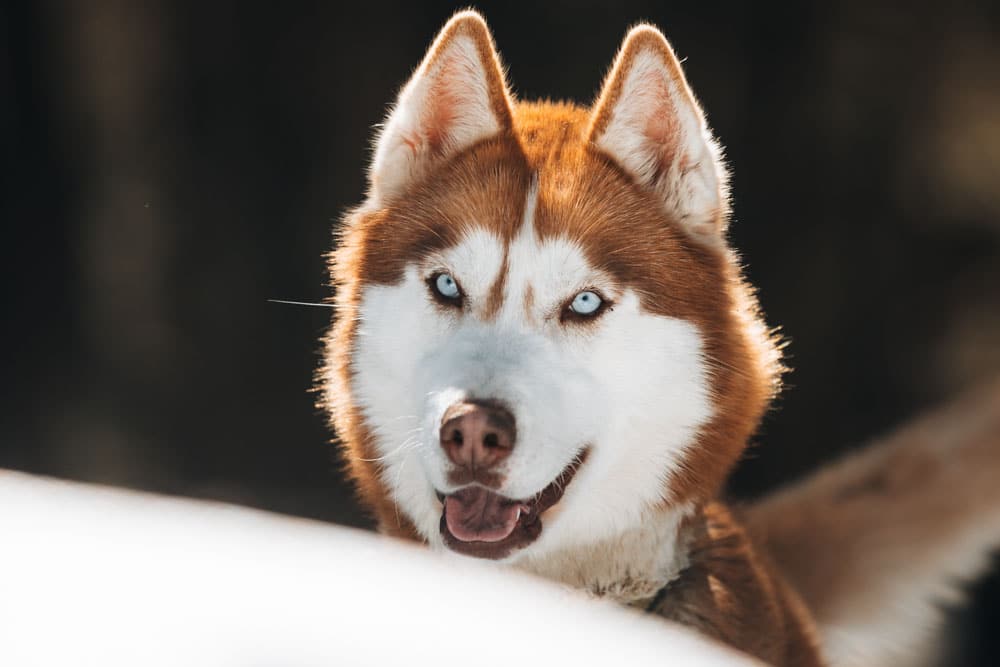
(484, 356)
(514, 339)
(517, 312)
(516, 365)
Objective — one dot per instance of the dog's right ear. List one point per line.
(456, 97)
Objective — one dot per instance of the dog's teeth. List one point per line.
(518, 514)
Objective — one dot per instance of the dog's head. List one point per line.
(539, 322)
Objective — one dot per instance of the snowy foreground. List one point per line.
(95, 576)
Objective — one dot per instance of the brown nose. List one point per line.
(477, 435)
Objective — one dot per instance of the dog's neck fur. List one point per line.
(630, 567)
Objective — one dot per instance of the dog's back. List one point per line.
(876, 543)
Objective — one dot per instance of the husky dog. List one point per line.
(545, 354)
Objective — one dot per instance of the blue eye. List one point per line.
(586, 303)
(446, 286)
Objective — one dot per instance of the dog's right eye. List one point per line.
(445, 288)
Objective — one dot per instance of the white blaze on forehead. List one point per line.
(554, 270)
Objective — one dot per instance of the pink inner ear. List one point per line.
(663, 127)
(436, 119)
(449, 95)
(442, 108)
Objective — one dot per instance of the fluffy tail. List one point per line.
(876, 542)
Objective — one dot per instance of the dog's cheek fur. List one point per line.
(652, 398)
(355, 437)
(396, 324)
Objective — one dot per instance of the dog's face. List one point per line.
(539, 323)
(540, 361)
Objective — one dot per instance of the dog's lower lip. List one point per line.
(528, 524)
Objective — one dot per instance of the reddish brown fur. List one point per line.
(731, 593)
(494, 301)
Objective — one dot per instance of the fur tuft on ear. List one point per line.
(456, 97)
(647, 119)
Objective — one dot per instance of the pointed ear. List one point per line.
(456, 97)
(648, 121)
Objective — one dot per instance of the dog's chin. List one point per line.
(481, 523)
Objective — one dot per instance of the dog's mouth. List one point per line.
(476, 521)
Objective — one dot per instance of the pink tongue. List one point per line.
(475, 514)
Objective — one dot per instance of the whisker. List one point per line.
(395, 491)
(412, 442)
(302, 303)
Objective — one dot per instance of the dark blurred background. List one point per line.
(170, 166)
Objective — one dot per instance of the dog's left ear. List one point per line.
(648, 121)
(456, 97)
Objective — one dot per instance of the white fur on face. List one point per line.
(631, 385)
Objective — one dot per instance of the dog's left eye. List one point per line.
(586, 303)
(445, 285)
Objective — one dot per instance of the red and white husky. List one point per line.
(545, 354)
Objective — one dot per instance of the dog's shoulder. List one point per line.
(731, 592)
